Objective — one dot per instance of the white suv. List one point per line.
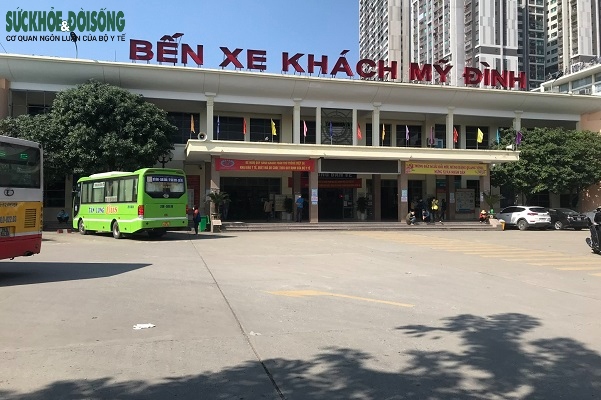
(525, 217)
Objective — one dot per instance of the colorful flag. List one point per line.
(455, 135)
(273, 131)
(480, 136)
(359, 134)
(407, 133)
(304, 128)
(331, 131)
(518, 138)
(218, 127)
(383, 132)
(192, 123)
(498, 136)
(244, 126)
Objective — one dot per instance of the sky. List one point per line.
(319, 27)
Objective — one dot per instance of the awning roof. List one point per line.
(192, 83)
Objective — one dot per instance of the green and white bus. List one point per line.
(149, 200)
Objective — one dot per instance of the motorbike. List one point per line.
(594, 240)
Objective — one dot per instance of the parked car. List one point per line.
(525, 217)
(562, 218)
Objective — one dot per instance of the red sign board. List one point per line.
(228, 164)
(331, 183)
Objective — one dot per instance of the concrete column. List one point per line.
(317, 125)
(296, 135)
(215, 182)
(484, 184)
(403, 185)
(209, 120)
(296, 190)
(354, 127)
(4, 99)
(375, 125)
(517, 121)
(449, 132)
(377, 196)
(392, 134)
(313, 208)
(462, 142)
(451, 195)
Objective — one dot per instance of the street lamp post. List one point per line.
(165, 159)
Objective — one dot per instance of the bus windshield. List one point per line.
(19, 166)
(165, 186)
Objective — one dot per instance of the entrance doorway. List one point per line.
(247, 196)
(389, 191)
(335, 204)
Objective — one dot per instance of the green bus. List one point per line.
(152, 200)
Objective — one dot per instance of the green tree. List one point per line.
(40, 128)
(96, 127)
(553, 159)
(106, 128)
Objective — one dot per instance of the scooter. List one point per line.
(593, 241)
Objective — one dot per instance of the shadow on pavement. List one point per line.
(495, 360)
(29, 273)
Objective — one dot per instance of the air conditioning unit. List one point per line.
(202, 136)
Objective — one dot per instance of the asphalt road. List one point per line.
(304, 315)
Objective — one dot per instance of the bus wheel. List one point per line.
(82, 228)
(116, 232)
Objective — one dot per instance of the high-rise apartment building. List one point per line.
(572, 33)
(383, 30)
(461, 32)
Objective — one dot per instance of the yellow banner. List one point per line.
(442, 168)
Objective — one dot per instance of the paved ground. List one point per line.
(304, 315)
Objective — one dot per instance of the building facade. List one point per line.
(264, 136)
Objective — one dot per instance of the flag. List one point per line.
(192, 123)
(304, 128)
(331, 132)
(455, 135)
(359, 135)
(498, 136)
(273, 131)
(244, 126)
(518, 138)
(431, 136)
(407, 133)
(218, 127)
(383, 132)
(480, 136)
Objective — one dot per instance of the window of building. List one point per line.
(415, 136)
(54, 193)
(182, 121)
(471, 137)
(261, 130)
(229, 128)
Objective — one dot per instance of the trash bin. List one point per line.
(203, 223)
(502, 224)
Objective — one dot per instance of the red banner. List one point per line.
(228, 164)
(331, 183)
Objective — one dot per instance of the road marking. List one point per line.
(551, 263)
(302, 293)
(578, 269)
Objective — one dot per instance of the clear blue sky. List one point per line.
(320, 27)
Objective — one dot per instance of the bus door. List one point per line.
(76, 202)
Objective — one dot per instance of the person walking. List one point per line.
(300, 203)
(267, 207)
(434, 207)
(195, 219)
(443, 210)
